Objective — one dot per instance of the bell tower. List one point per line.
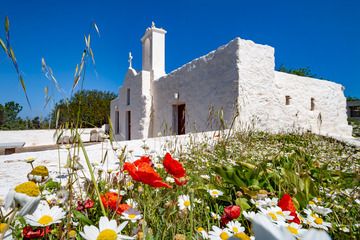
(153, 51)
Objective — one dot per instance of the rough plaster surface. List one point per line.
(329, 115)
(238, 77)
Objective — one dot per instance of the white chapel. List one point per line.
(235, 85)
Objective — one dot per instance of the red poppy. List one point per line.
(110, 200)
(30, 233)
(122, 208)
(286, 204)
(230, 213)
(173, 167)
(142, 171)
(143, 159)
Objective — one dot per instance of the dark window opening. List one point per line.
(287, 100)
(117, 123)
(128, 125)
(128, 96)
(179, 119)
(312, 105)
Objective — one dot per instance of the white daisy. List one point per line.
(184, 202)
(107, 230)
(45, 216)
(202, 232)
(265, 229)
(315, 221)
(235, 227)
(215, 216)
(295, 229)
(264, 203)
(129, 185)
(206, 177)
(131, 214)
(321, 210)
(170, 179)
(132, 203)
(276, 214)
(158, 165)
(219, 234)
(249, 215)
(215, 193)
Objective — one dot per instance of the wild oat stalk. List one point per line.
(6, 46)
(92, 174)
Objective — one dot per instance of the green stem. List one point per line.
(92, 176)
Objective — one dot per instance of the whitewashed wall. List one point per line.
(329, 115)
(140, 105)
(237, 77)
(209, 81)
(37, 137)
(255, 65)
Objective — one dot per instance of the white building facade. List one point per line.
(234, 86)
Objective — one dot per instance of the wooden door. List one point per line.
(181, 119)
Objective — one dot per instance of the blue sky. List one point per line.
(322, 35)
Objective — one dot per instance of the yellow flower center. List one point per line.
(242, 236)
(293, 230)
(187, 203)
(132, 216)
(273, 216)
(41, 171)
(311, 203)
(235, 229)
(280, 213)
(224, 236)
(318, 220)
(28, 188)
(45, 220)
(107, 234)
(3, 226)
(72, 234)
(215, 192)
(200, 229)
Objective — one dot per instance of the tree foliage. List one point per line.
(351, 99)
(93, 107)
(9, 119)
(304, 72)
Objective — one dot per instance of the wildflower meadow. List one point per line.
(230, 185)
